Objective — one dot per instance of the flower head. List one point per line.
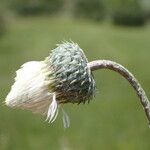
(63, 77)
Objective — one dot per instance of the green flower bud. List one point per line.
(73, 80)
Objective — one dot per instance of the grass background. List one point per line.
(113, 120)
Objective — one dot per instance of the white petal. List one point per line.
(66, 120)
(30, 90)
(53, 110)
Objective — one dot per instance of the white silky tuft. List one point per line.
(53, 110)
(31, 90)
(66, 120)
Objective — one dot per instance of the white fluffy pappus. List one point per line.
(31, 90)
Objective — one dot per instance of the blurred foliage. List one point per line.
(93, 9)
(114, 120)
(146, 6)
(128, 12)
(2, 21)
(122, 12)
(30, 7)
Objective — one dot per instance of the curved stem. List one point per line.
(107, 64)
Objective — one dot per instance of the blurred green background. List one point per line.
(118, 30)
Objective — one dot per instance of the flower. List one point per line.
(63, 77)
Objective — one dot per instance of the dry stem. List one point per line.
(107, 64)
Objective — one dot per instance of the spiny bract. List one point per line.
(73, 79)
(63, 77)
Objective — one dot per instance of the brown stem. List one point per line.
(107, 64)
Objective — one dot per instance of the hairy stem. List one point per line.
(107, 64)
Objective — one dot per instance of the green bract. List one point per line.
(72, 79)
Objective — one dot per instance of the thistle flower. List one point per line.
(63, 77)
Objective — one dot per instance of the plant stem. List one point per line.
(107, 64)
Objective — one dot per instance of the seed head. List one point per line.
(63, 77)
